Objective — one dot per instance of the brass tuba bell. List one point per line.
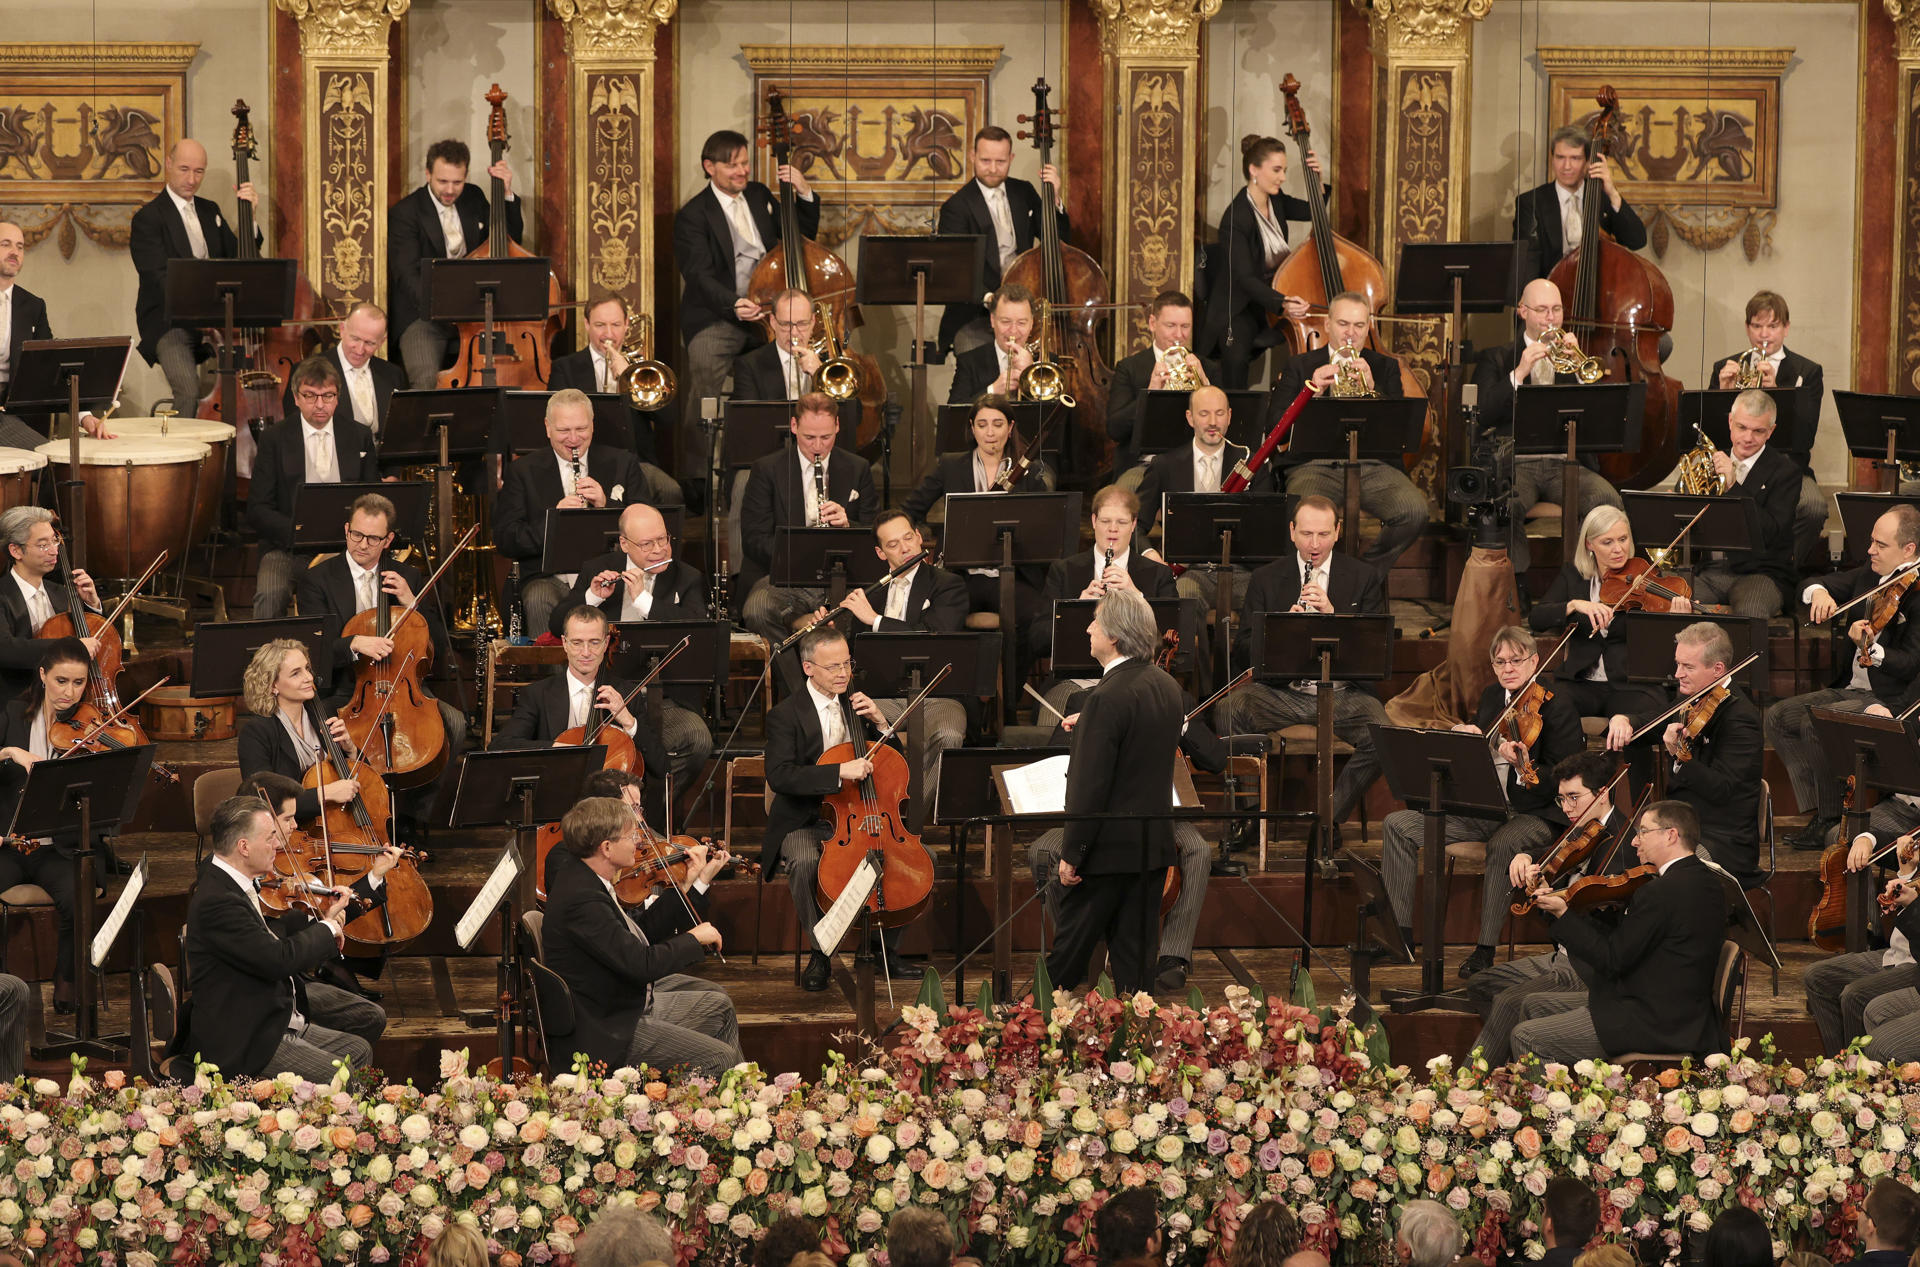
(648, 383)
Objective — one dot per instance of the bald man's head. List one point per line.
(1209, 415)
(643, 537)
(186, 167)
(1540, 306)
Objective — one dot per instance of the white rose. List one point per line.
(474, 1137)
(1705, 1125)
(879, 1148)
(1633, 1135)
(416, 1128)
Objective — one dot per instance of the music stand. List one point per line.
(1248, 426)
(320, 512)
(222, 650)
(830, 559)
(935, 269)
(1794, 427)
(1731, 524)
(520, 788)
(1456, 278)
(1743, 926)
(1375, 910)
(1163, 424)
(1883, 429)
(1571, 421)
(490, 290)
(1354, 428)
(639, 644)
(576, 535)
(1072, 649)
(1225, 529)
(999, 530)
(966, 793)
(1437, 772)
(1884, 758)
(71, 797)
(897, 664)
(71, 376)
(1650, 638)
(1859, 512)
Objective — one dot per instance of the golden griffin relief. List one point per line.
(346, 187)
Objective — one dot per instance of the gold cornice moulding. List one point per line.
(1559, 58)
(800, 59)
(343, 26)
(618, 28)
(64, 56)
(1421, 26)
(1165, 27)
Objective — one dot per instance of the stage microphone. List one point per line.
(709, 411)
(1470, 399)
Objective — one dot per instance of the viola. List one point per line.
(1641, 585)
(1887, 598)
(521, 353)
(1076, 293)
(1618, 305)
(665, 860)
(1590, 891)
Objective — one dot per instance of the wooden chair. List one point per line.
(1761, 890)
(209, 790)
(1729, 1002)
(1303, 741)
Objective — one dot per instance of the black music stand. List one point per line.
(899, 664)
(1885, 758)
(1322, 648)
(74, 796)
(439, 428)
(1437, 772)
(830, 559)
(1223, 530)
(966, 794)
(1794, 427)
(755, 428)
(1572, 421)
(1858, 513)
(1072, 649)
(1375, 911)
(490, 290)
(1731, 524)
(73, 376)
(953, 430)
(1883, 429)
(1650, 638)
(1000, 530)
(639, 644)
(1163, 425)
(1454, 279)
(521, 788)
(222, 650)
(935, 269)
(578, 534)
(1248, 426)
(320, 512)
(1349, 430)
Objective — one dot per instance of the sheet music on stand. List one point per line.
(845, 909)
(1040, 787)
(110, 929)
(487, 900)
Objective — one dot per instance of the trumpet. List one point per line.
(1750, 367)
(839, 377)
(1180, 374)
(1567, 358)
(648, 383)
(1045, 379)
(1349, 379)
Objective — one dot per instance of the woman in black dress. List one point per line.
(280, 737)
(1251, 246)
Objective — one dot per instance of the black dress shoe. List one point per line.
(1169, 975)
(1815, 835)
(110, 863)
(819, 971)
(1479, 961)
(1226, 866)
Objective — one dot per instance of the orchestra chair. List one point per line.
(209, 790)
(163, 1011)
(1729, 1002)
(552, 1001)
(26, 899)
(501, 652)
(1472, 851)
(1299, 745)
(1761, 889)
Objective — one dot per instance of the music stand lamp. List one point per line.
(967, 794)
(1454, 279)
(520, 788)
(1438, 772)
(1002, 530)
(638, 645)
(1885, 759)
(934, 269)
(1882, 429)
(1571, 421)
(899, 663)
(1351, 429)
(73, 795)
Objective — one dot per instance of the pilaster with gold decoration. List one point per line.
(1423, 62)
(610, 48)
(345, 127)
(1150, 54)
(1903, 356)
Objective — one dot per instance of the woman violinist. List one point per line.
(1252, 244)
(280, 736)
(25, 727)
(1594, 672)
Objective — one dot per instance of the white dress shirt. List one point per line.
(1542, 375)
(1273, 238)
(322, 466)
(1206, 468)
(450, 229)
(833, 724)
(359, 379)
(795, 379)
(747, 246)
(602, 376)
(6, 334)
(897, 595)
(190, 220)
(366, 585)
(1002, 213)
(1571, 225)
(580, 701)
(39, 605)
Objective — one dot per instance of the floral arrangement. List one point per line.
(1014, 1121)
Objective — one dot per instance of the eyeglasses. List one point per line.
(51, 543)
(1572, 798)
(316, 397)
(844, 666)
(1508, 662)
(1644, 830)
(651, 543)
(367, 538)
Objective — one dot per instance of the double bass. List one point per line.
(522, 351)
(1075, 294)
(1618, 305)
(797, 262)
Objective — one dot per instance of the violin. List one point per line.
(1639, 585)
(409, 742)
(1522, 724)
(870, 824)
(87, 729)
(103, 672)
(1698, 716)
(1887, 597)
(1574, 847)
(1590, 891)
(1618, 306)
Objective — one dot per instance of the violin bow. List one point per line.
(1545, 660)
(1567, 835)
(120, 608)
(1900, 573)
(1636, 736)
(893, 727)
(1640, 807)
(107, 721)
(1635, 585)
(653, 845)
(628, 698)
(1246, 676)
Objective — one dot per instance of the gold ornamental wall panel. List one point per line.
(1153, 249)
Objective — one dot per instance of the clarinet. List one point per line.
(1103, 569)
(820, 489)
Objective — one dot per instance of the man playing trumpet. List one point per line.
(1767, 363)
(995, 368)
(602, 364)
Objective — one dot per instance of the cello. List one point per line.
(797, 262)
(103, 671)
(1074, 292)
(521, 354)
(409, 741)
(1618, 305)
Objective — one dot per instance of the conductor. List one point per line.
(1113, 870)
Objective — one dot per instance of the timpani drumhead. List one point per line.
(205, 430)
(127, 451)
(19, 461)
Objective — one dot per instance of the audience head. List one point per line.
(1607, 1255)
(1890, 1217)
(1738, 1238)
(623, 1236)
(1268, 1236)
(787, 1237)
(1428, 1235)
(919, 1237)
(1127, 1226)
(459, 1245)
(1572, 1213)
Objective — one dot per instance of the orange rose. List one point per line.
(360, 1215)
(1669, 1078)
(863, 1126)
(83, 1171)
(394, 1093)
(1035, 1133)
(341, 1137)
(1116, 1117)
(1527, 1140)
(532, 1131)
(1238, 1165)
(1320, 1162)
(657, 1092)
(1678, 1139)
(478, 1175)
(35, 1237)
(1439, 1179)
(115, 1079)
(258, 1227)
(1418, 1112)
(509, 1259)
(1474, 1118)
(262, 1089)
(1133, 1176)
(169, 1138)
(649, 1200)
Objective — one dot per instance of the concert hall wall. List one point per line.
(1813, 236)
(455, 50)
